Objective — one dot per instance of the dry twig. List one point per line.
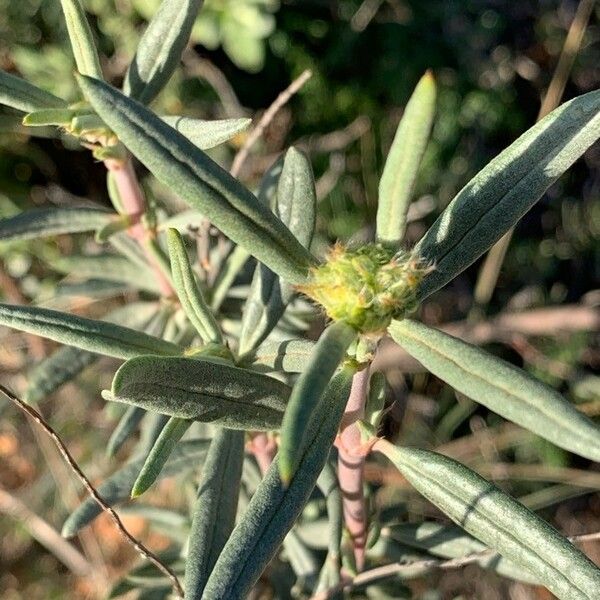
(145, 552)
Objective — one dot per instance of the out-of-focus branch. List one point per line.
(45, 534)
(490, 270)
(145, 552)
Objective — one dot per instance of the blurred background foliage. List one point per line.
(493, 61)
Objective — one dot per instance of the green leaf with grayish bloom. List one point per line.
(202, 389)
(124, 429)
(498, 520)
(306, 396)
(66, 363)
(159, 50)
(274, 507)
(117, 487)
(207, 134)
(82, 40)
(450, 541)
(500, 386)
(188, 292)
(403, 160)
(172, 432)
(24, 96)
(191, 174)
(43, 222)
(108, 267)
(295, 204)
(214, 510)
(290, 356)
(87, 334)
(503, 191)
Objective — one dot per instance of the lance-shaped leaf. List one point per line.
(215, 509)
(402, 164)
(290, 356)
(498, 520)
(234, 264)
(24, 96)
(501, 193)
(207, 134)
(109, 268)
(61, 366)
(450, 541)
(159, 50)
(125, 427)
(295, 204)
(87, 334)
(170, 435)
(117, 488)
(500, 386)
(191, 174)
(42, 222)
(274, 506)
(66, 363)
(190, 295)
(82, 40)
(306, 396)
(330, 488)
(201, 389)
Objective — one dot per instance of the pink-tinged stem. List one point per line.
(351, 467)
(264, 449)
(134, 206)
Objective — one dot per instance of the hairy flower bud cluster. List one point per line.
(368, 287)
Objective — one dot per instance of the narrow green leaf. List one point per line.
(61, 366)
(118, 225)
(190, 295)
(274, 507)
(87, 334)
(290, 356)
(500, 386)
(498, 521)
(207, 134)
(172, 432)
(295, 204)
(215, 509)
(191, 174)
(500, 194)
(306, 396)
(450, 541)
(402, 164)
(107, 267)
(330, 488)
(159, 50)
(82, 40)
(117, 488)
(24, 96)
(201, 389)
(124, 429)
(234, 264)
(49, 116)
(42, 222)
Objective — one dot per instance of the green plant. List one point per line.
(183, 367)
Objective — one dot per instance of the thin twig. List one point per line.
(45, 534)
(270, 113)
(390, 570)
(145, 552)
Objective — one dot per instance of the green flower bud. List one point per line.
(368, 287)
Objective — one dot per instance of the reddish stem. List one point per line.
(134, 206)
(264, 449)
(351, 467)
